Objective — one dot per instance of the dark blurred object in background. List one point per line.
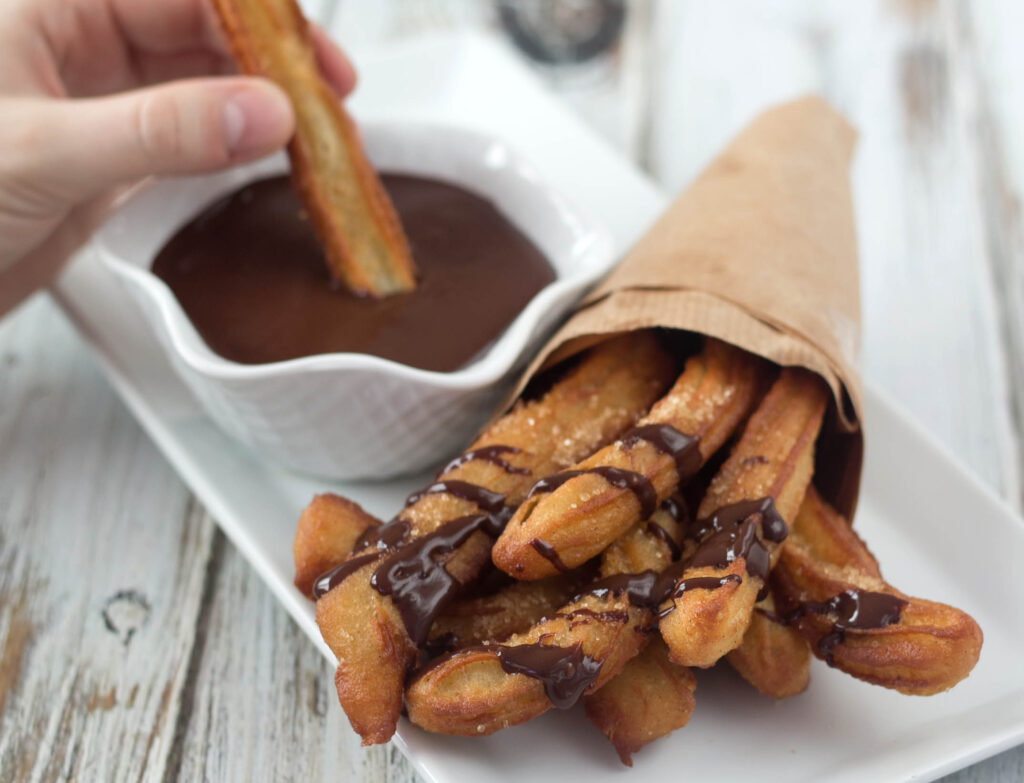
(558, 32)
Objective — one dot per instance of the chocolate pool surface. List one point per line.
(249, 272)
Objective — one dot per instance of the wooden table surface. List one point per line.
(136, 644)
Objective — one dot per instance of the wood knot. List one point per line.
(124, 613)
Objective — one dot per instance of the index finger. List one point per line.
(173, 26)
(168, 26)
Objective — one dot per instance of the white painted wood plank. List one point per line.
(261, 697)
(985, 40)
(930, 333)
(102, 558)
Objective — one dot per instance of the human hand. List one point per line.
(98, 94)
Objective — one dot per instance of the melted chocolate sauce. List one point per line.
(682, 448)
(440, 645)
(697, 583)
(645, 590)
(384, 538)
(732, 532)
(667, 439)
(773, 525)
(665, 537)
(492, 454)
(474, 493)
(677, 508)
(331, 579)
(566, 672)
(583, 616)
(545, 550)
(417, 582)
(251, 275)
(649, 589)
(854, 610)
(636, 483)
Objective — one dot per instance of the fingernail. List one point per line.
(256, 120)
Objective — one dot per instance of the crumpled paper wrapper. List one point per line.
(760, 251)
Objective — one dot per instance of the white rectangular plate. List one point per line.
(938, 532)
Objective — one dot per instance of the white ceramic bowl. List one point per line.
(349, 415)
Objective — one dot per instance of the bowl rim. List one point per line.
(490, 366)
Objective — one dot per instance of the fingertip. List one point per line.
(334, 64)
(258, 119)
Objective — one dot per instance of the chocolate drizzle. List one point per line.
(675, 506)
(697, 583)
(384, 538)
(412, 572)
(548, 552)
(492, 454)
(649, 589)
(583, 616)
(645, 590)
(665, 537)
(566, 672)
(474, 493)
(665, 438)
(682, 448)
(853, 609)
(391, 535)
(417, 582)
(637, 483)
(331, 579)
(732, 532)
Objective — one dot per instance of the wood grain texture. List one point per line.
(930, 313)
(135, 644)
(103, 559)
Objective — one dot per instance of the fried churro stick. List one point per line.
(772, 657)
(511, 610)
(743, 514)
(651, 696)
(827, 583)
(596, 400)
(353, 216)
(648, 699)
(325, 534)
(579, 513)
(479, 690)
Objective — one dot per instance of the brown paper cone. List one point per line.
(760, 252)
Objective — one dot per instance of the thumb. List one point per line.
(85, 146)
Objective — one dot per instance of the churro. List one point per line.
(327, 530)
(648, 699)
(742, 521)
(481, 689)
(764, 574)
(772, 657)
(572, 516)
(363, 240)
(828, 586)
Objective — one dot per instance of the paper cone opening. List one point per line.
(760, 251)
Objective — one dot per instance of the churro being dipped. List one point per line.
(363, 240)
